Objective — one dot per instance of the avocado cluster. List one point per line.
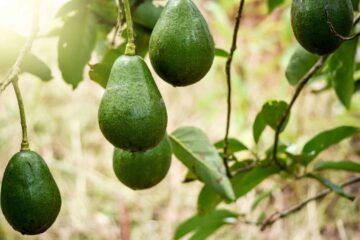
(319, 25)
(132, 114)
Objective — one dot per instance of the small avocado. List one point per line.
(310, 22)
(132, 114)
(181, 46)
(141, 170)
(30, 198)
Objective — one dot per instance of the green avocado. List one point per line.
(132, 114)
(30, 198)
(141, 170)
(181, 46)
(310, 22)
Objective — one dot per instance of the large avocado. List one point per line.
(141, 170)
(132, 113)
(30, 198)
(310, 22)
(181, 47)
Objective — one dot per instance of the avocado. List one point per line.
(141, 170)
(30, 198)
(181, 47)
(132, 114)
(309, 20)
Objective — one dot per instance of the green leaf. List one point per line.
(300, 63)
(272, 113)
(204, 226)
(341, 71)
(242, 184)
(340, 165)
(192, 147)
(221, 53)
(11, 44)
(325, 140)
(76, 43)
(69, 8)
(234, 145)
(272, 4)
(259, 126)
(147, 14)
(332, 186)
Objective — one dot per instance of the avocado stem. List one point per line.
(25, 141)
(130, 46)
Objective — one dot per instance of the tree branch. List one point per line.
(298, 90)
(15, 69)
(228, 81)
(279, 215)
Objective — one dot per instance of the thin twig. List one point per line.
(298, 90)
(333, 30)
(279, 215)
(119, 23)
(25, 141)
(228, 81)
(15, 69)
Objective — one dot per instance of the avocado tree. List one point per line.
(133, 116)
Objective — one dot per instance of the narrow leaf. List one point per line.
(341, 71)
(340, 165)
(204, 226)
(261, 197)
(332, 186)
(258, 127)
(234, 145)
(221, 53)
(76, 43)
(300, 63)
(242, 184)
(326, 139)
(192, 147)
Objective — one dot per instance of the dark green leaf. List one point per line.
(300, 63)
(147, 14)
(234, 145)
(332, 186)
(242, 184)
(221, 53)
(272, 113)
(76, 43)
(340, 165)
(341, 71)
(11, 44)
(204, 226)
(258, 127)
(326, 139)
(193, 148)
(272, 4)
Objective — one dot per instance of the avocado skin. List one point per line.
(141, 170)
(181, 46)
(310, 26)
(30, 198)
(132, 114)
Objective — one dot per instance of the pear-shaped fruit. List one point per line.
(132, 113)
(30, 198)
(181, 47)
(311, 20)
(141, 170)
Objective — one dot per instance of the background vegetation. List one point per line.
(63, 128)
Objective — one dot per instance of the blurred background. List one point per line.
(63, 128)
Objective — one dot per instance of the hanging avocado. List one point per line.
(181, 47)
(311, 20)
(30, 198)
(132, 113)
(141, 170)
